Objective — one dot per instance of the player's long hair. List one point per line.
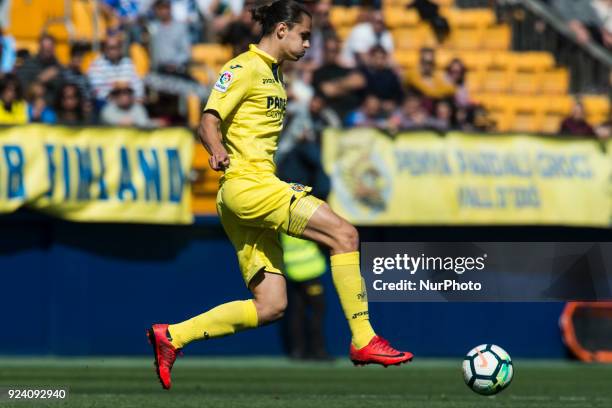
(281, 11)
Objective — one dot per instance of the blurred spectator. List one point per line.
(8, 52)
(455, 75)
(299, 155)
(381, 80)
(429, 11)
(340, 86)
(443, 116)
(321, 30)
(363, 37)
(73, 73)
(426, 80)
(583, 20)
(370, 114)
(123, 109)
(38, 109)
(14, 109)
(576, 124)
(110, 67)
(241, 32)
(603, 8)
(170, 46)
(43, 67)
(411, 115)
(69, 106)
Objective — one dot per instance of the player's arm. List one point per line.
(212, 140)
(225, 97)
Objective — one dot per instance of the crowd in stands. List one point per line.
(348, 83)
(590, 20)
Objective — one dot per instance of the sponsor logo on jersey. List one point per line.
(235, 66)
(276, 107)
(224, 81)
(268, 81)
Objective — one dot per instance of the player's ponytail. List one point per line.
(289, 12)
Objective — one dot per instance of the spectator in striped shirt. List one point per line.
(111, 67)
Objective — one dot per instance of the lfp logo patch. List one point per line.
(224, 81)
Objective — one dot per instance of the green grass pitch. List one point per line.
(271, 382)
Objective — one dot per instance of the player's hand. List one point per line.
(219, 160)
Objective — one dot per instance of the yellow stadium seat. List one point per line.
(30, 45)
(597, 108)
(62, 50)
(210, 54)
(528, 70)
(26, 18)
(555, 81)
(499, 108)
(443, 57)
(499, 74)
(406, 59)
(474, 81)
(88, 58)
(497, 38)
(140, 57)
(476, 60)
(58, 30)
(400, 17)
(83, 20)
(414, 38)
(465, 38)
(341, 16)
(194, 111)
(465, 18)
(525, 114)
(553, 110)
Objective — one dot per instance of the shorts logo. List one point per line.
(224, 81)
(297, 187)
(359, 314)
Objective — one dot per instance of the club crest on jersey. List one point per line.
(224, 81)
(297, 187)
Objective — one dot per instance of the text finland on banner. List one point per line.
(97, 174)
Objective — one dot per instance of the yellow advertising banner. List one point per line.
(462, 179)
(97, 174)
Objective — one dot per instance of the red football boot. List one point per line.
(379, 351)
(165, 353)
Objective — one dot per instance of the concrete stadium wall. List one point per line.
(93, 289)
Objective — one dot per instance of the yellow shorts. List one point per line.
(254, 209)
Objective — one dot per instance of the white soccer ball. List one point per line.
(487, 369)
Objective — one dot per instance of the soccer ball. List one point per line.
(487, 369)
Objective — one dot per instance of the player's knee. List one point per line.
(269, 311)
(347, 239)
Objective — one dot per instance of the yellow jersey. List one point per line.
(250, 98)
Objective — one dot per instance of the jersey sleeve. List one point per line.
(230, 89)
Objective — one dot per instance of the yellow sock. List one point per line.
(351, 291)
(223, 320)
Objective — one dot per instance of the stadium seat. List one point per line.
(597, 108)
(474, 80)
(555, 81)
(83, 20)
(141, 59)
(406, 58)
(525, 114)
(194, 109)
(26, 18)
(528, 70)
(499, 73)
(470, 18)
(465, 38)
(414, 38)
(88, 58)
(553, 109)
(400, 17)
(210, 54)
(497, 38)
(476, 60)
(341, 16)
(500, 109)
